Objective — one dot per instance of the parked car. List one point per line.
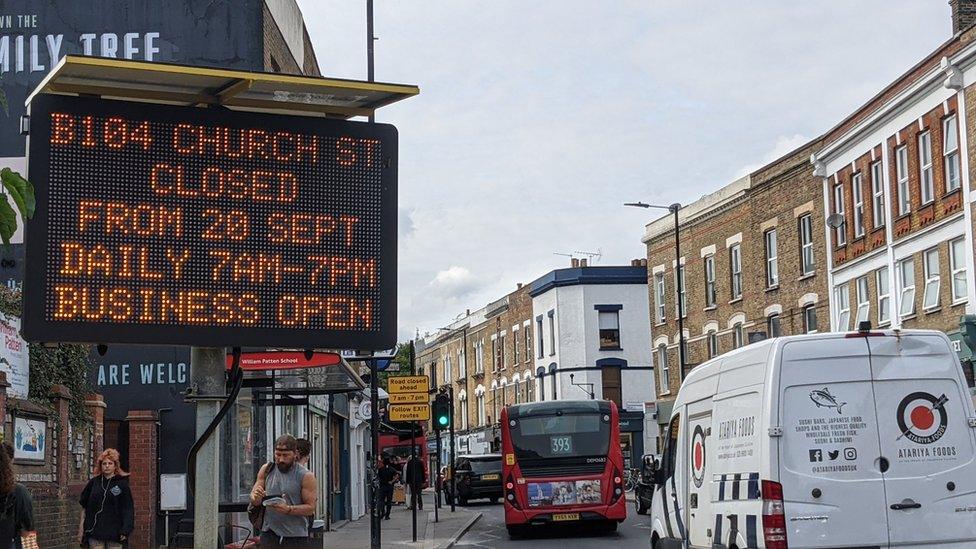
(644, 489)
(478, 476)
(860, 439)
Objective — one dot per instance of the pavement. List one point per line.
(398, 531)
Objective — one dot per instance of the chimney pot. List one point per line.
(518, 286)
(575, 262)
(583, 262)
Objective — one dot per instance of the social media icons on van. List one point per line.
(818, 455)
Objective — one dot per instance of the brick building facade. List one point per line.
(487, 357)
(896, 178)
(752, 258)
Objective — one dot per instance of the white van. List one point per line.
(826, 440)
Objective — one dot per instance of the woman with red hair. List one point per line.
(106, 518)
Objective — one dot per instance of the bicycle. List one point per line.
(633, 477)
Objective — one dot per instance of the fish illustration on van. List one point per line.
(823, 399)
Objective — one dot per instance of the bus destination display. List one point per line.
(211, 227)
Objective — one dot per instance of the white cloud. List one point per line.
(784, 144)
(454, 282)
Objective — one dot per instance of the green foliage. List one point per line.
(67, 365)
(402, 357)
(22, 193)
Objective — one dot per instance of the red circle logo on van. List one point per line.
(922, 417)
(698, 456)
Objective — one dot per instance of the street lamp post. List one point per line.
(679, 283)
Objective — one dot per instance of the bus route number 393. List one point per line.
(561, 445)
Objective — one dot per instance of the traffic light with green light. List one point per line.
(442, 412)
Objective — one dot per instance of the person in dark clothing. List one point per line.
(107, 515)
(16, 506)
(414, 477)
(387, 477)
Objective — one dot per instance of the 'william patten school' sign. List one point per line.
(180, 225)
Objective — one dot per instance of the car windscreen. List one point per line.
(560, 435)
(482, 466)
(399, 451)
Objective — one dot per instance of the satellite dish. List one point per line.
(835, 220)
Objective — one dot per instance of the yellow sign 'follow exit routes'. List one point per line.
(409, 412)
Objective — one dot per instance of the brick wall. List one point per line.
(56, 484)
(776, 197)
(142, 475)
(963, 14)
(277, 56)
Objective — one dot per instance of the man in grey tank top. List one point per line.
(286, 521)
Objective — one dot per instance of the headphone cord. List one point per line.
(102, 506)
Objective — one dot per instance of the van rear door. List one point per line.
(833, 493)
(924, 407)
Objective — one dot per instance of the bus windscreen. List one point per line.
(556, 436)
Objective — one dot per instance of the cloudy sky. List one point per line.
(537, 120)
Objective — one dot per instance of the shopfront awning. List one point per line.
(305, 382)
(165, 83)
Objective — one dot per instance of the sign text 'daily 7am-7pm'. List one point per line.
(182, 225)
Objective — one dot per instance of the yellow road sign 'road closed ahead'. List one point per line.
(407, 384)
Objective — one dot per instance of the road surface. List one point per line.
(490, 532)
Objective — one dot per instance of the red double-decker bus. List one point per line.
(396, 443)
(562, 464)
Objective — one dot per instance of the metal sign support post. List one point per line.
(414, 495)
(450, 391)
(438, 487)
(207, 366)
(374, 428)
(438, 503)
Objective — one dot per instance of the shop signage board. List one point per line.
(284, 360)
(409, 412)
(209, 227)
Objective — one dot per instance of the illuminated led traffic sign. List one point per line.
(183, 225)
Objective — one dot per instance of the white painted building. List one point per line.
(592, 340)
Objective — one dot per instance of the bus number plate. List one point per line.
(561, 517)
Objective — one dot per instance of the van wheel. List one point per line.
(654, 541)
(609, 526)
(516, 532)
